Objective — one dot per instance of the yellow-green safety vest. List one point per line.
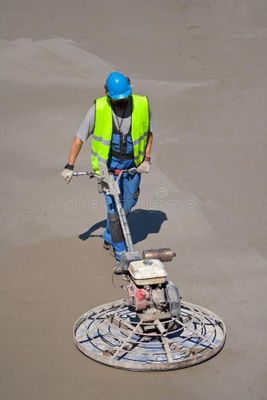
(102, 136)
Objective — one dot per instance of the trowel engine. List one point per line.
(149, 293)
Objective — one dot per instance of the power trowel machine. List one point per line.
(152, 329)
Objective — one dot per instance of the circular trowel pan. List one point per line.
(113, 335)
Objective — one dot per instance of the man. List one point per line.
(120, 124)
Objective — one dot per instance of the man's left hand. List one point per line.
(144, 167)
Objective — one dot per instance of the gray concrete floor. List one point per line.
(203, 66)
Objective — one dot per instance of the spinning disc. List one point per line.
(112, 334)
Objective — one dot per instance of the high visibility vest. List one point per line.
(102, 136)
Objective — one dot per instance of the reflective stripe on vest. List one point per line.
(101, 140)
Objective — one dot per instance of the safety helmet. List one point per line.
(118, 86)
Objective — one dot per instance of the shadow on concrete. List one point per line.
(87, 234)
(144, 222)
(141, 223)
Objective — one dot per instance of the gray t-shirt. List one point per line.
(121, 121)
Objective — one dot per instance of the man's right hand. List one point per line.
(67, 173)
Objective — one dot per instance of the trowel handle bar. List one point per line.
(84, 173)
(127, 171)
(93, 175)
(130, 170)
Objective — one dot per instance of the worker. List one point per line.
(121, 127)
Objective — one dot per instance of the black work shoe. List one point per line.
(107, 246)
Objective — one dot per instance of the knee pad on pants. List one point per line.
(115, 228)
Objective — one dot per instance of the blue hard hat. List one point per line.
(118, 86)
